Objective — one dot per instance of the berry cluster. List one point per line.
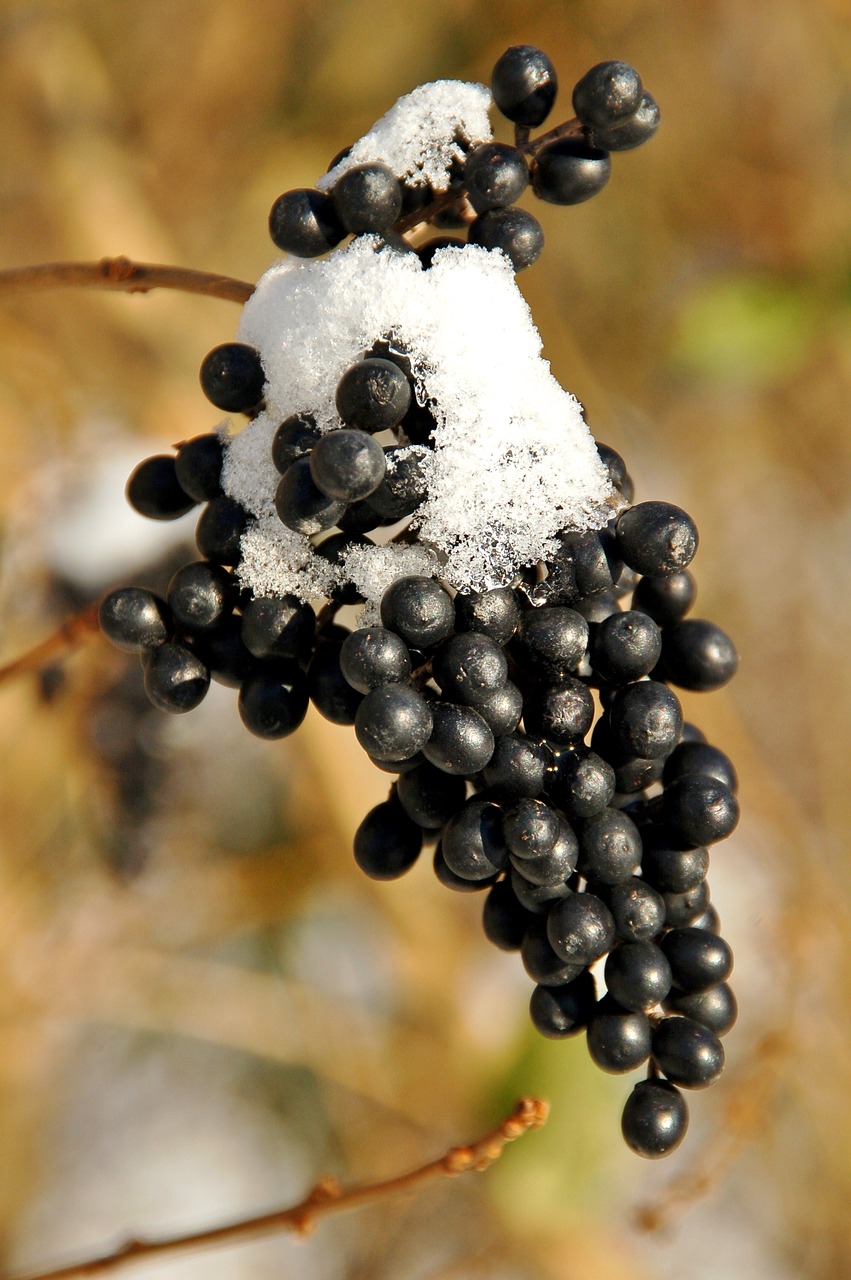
(565, 166)
(586, 819)
(533, 729)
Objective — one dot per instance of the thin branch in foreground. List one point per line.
(325, 1198)
(67, 636)
(123, 276)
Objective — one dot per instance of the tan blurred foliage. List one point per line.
(246, 1013)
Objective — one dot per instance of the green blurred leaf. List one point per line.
(555, 1175)
(745, 329)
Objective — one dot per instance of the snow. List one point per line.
(420, 135)
(513, 462)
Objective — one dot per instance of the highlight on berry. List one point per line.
(517, 681)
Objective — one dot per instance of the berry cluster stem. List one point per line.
(66, 636)
(326, 1197)
(455, 197)
(123, 276)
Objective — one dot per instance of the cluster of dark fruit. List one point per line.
(567, 165)
(208, 626)
(587, 821)
(536, 738)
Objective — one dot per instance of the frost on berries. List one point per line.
(513, 461)
(421, 136)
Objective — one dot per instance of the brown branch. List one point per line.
(326, 1197)
(72, 631)
(122, 275)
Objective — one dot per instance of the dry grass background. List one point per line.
(203, 1005)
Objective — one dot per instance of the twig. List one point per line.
(69, 634)
(326, 1197)
(455, 197)
(124, 276)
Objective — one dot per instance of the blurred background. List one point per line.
(204, 1006)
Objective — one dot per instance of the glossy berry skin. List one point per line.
(687, 1053)
(304, 222)
(582, 784)
(531, 829)
(295, 436)
(198, 467)
(223, 651)
(219, 530)
(373, 395)
(580, 928)
(553, 867)
(698, 655)
(393, 722)
(419, 610)
(327, 687)
(561, 713)
(502, 709)
(646, 720)
(524, 85)
(347, 464)
(367, 197)
(494, 613)
(538, 899)
(625, 647)
(495, 175)
(134, 619)
(700, 757)
(670, 868)
(373, 656)
(155, 492)
(473, 843)
(608, 95)
(698, 959)
(232, 377)
(458, 884)
(542, 964)
(639, 128)
(715, 1007)
(517, 233)
(656, 538)
(303, 507)
(202, 595)
(430, 796)
(655, 1119)
(618, 1039)
(278, 627)
(469, 667)
(700, 810)
(616, 467)
(516, 767)
(682, 909)
(176, 679)
(609, 847)
(461, 742)
(638, 975)
(638, 910)
(558, 1012)
(504, 920)
(550, 642)
(569, 172)
(273, 701)
(387, 843)
(667, 599)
